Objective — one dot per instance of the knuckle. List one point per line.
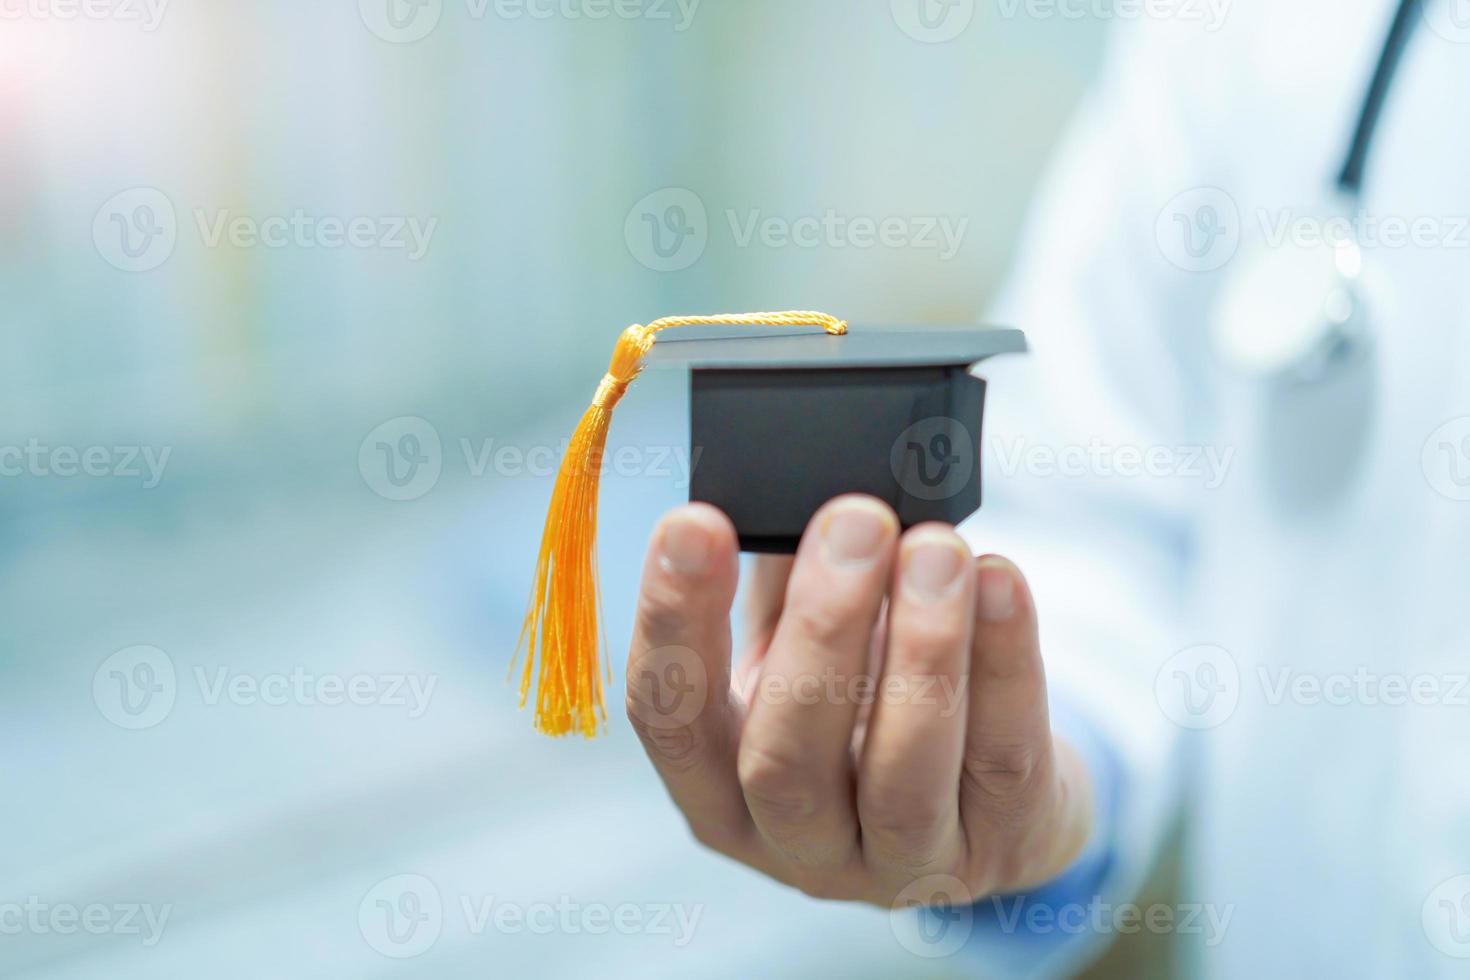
(679, 749)
(928, 645)
(780, 789)
(930, 636)
(825, 623)
(908, 829)
(893, 814)
(1005, 771)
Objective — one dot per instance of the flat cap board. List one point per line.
(861, 347)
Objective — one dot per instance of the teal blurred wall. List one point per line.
(536, 158)
(528, 141)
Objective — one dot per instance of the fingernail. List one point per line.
(997, 591)
(685, 547)
(855, 530)
(932, 563)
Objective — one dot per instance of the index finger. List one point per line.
(678, 691)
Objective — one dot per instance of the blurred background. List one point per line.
(297, 301)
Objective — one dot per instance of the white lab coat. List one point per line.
(1325, 827)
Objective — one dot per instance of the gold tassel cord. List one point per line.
(561, 630)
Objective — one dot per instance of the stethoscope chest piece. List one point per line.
(1290, 312)
(1293, 310)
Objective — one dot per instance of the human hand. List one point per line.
(890, 720)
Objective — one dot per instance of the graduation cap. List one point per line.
(787, 411)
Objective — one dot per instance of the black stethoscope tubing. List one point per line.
(1350, 178)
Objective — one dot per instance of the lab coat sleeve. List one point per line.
(1115, 371)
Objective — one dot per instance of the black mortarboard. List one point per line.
(789, 412)
(781, 424)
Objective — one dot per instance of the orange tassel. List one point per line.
(562, 617)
